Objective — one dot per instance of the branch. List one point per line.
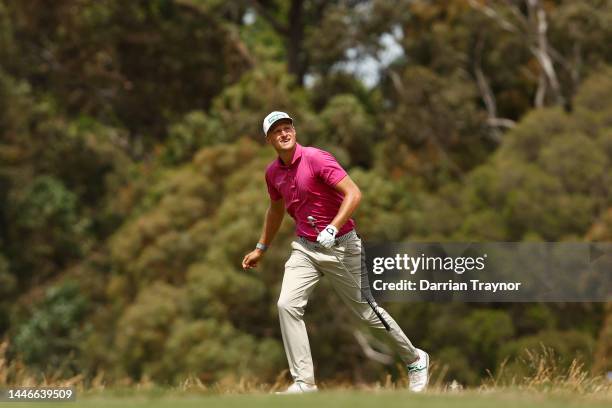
(483, 84)
(501, 122)
(516, 12)
(534, 30)
(556, 56)
(319, 9)
(540, 95)
(398, 85)
(232, 36)
(485, 90)
(276, 25)
(492, 13)
(240, 46)
(541, 52)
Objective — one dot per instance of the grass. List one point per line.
(330, 398)
(544, 383)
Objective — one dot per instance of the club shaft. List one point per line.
(363, 292)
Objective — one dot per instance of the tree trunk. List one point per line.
(295, 41)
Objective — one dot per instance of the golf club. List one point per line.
(371, 302)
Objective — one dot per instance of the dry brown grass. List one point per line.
(545, 375)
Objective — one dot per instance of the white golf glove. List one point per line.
(327, 237)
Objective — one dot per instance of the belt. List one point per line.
(339, 240)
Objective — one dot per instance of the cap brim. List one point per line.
(276, 121)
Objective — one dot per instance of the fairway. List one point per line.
(352, 399)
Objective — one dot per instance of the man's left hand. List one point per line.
(327, 237)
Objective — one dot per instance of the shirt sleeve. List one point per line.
(275, 195)
(327, 168)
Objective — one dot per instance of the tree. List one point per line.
(291, 23)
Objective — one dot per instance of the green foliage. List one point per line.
(49, 224)
(603, 362)
(469, 341)
(47, 203)
(580, 30)
(601, 230)
(51, 338)
(215, 351)
(550, 177)
(328, 42)
(155, 340)
(432, 126)
(342, 83)
(457, 364)
(132, 159)
(536, 130)
(142, 330)
(131, 64)
(535, 318)
(348, 128)
(237, 111)
(8, 286)
(95, 150)
(56, 174)
(187, 136)
(8, 283)
(176, 230)
(215, 290)
(385, 207)
(593, 104)
(7, 44)
(487, 331)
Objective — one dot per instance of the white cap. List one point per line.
(272, 118)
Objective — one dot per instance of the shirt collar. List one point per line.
(297, 154)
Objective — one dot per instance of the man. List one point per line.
(309, 182)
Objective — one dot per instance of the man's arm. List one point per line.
(352, 198)
(272, 222)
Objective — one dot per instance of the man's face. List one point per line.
(282, 136)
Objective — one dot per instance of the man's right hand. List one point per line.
(250, 260)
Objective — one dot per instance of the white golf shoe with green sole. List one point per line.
(298, 387)
(418, 372)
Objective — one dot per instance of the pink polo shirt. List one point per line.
(307, 185)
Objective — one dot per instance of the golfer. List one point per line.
(309, 182)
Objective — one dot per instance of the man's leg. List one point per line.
(299, 280)
(350, 254)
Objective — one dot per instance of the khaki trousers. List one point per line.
(306, 265)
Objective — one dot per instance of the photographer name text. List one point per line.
(426, 285)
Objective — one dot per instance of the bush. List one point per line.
(556, 349)
(51, 338)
